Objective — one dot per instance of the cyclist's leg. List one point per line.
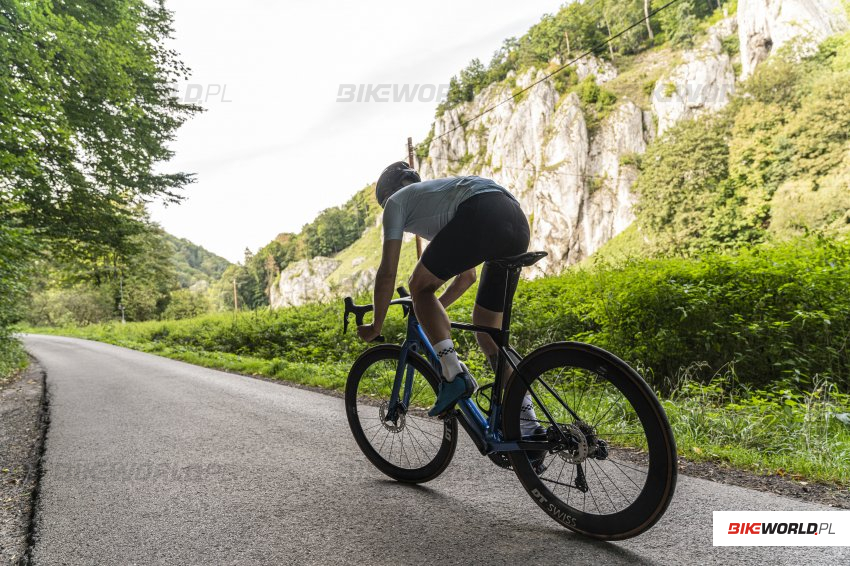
(434, 320)
(491, 296)
(488, 309)
(457, 248)
(429, 311)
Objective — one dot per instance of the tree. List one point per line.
(87, 90)
(681, 21)
(87, 86)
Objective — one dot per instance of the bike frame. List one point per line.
(484, 431)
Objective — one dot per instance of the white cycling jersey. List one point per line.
(424, 208)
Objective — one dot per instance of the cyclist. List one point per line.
(468, 221)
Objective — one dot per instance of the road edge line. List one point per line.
(40, 448)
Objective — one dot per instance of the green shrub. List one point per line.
(79, 305)
(777, 312)
(16, 249)
(774, 312)
(186, 303)
(709, 183)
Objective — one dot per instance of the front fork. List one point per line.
(399, 402)
(416, 342)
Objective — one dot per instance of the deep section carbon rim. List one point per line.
(615, 470)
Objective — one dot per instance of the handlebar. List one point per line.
(359, 311)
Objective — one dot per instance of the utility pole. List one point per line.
(413, 165)
(121, 295)
(235, 297)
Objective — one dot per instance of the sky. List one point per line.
(278, 141)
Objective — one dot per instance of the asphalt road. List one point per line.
(153, 461)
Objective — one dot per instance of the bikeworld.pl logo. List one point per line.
(781, 528)
(392, 92)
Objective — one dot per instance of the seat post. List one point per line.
(511, 282)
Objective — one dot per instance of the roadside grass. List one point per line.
(13, 359)
(328, 376)
(803, 435)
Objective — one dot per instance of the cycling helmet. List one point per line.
(393, 178)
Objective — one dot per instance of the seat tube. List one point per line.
(511, 282)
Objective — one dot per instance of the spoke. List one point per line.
(373, 426)
(557, 398)
(401, 446)
(384, 442)
(625, 474)
(595, 423)
(602, 484)
(377, 432)
(601, 469)
(583, 389)
(592, 497)
(559, 483)
(563, 465)
(596, 412)
(426, 434)
(419, 445)
(629, 467)
(624, 433)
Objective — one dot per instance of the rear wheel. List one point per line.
(412, 447)
(612, 472)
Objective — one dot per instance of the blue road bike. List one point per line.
(599, 456)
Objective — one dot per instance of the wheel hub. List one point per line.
(395, 426)
(578, 453)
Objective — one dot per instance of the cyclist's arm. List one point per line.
(385, 280)
(457, 287)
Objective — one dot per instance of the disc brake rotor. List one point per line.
(578, 454)
(394, 427)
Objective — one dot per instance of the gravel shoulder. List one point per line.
(21, 436)
(831, 495)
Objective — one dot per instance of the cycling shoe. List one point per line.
(450, 392)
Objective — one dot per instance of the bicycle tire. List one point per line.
(431, 443)
(621, 451)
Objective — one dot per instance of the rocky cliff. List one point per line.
(765, 26)
(571, 163)
(572, 167)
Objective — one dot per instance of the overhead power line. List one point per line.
(590, 51)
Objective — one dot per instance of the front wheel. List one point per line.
(611, 470)
(409, 446)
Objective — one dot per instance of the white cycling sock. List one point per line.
(448, 359)
(527, 417)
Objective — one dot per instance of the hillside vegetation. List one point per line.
(772, 165)
(579, 27)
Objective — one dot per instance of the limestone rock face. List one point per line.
(304, 281)
(703, 83)
(767, 25)
(569, 180)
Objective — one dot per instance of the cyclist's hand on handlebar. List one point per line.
(368, 332)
